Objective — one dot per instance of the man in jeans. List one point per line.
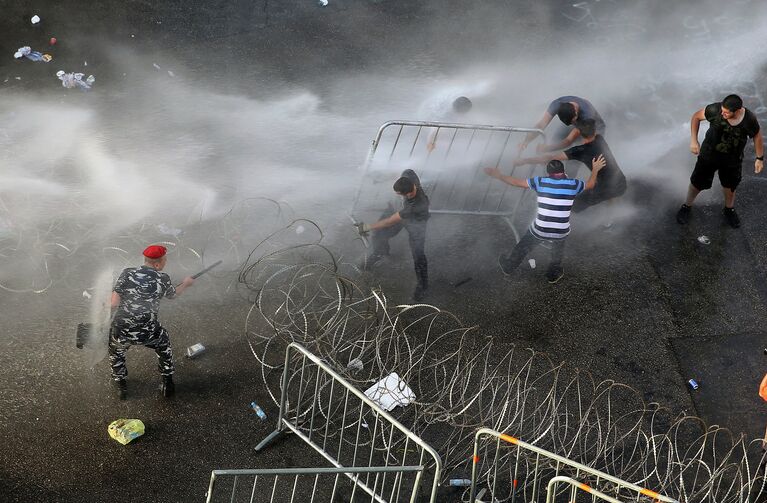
(412, 217)
(730, 127)
(556, 193)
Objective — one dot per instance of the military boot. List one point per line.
(167, 387)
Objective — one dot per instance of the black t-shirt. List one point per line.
(611, 174)
(417, 208)
(723, 140)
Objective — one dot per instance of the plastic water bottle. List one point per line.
(259, 411)
(459, 482)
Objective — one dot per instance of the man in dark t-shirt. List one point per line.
(412, 217)
(570, 110)
(611, 182)
(730, 127)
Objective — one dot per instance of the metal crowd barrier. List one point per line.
(552, 490)
(289, 484)
(351, 431)
(514, 470)
(449, 159)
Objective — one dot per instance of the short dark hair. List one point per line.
(566, 113)
(403, 185)
(587, 127)
(462, 104)
(555, 166)
(733, 103)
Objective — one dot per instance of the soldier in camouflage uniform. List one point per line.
(136, 295)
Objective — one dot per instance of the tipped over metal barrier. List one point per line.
(513, 470)
(288, 484)
(384, 459)
(448, 158)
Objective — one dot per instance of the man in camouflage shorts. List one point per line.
(136, 295)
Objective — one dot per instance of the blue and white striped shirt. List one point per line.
(555, 200)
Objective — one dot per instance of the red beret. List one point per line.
(155, 251)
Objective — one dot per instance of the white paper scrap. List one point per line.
(390, 392)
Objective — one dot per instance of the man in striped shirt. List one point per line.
(556, 193)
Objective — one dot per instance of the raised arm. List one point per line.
(597, 164)
(516, 182)
(697, 117)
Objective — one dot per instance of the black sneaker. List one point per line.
(504, 266)
(732, 217)
(555, 275)
(167, 387)
(122, 389)
(683, 215)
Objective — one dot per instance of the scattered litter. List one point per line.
(323, 3)
(259, 411)
(125, 430)
(390, 392)
(17, 78)
(459, 482)
(35, 19)
(170, 231)
(52, 41)
(72, 80)
(532, 263)
(300, 229)
(693, 383)
(156, 66)
(85, 63)
(195, 350)
(704, 239)
(86, 294)
(355, 364)
(27, 52)
(171, 73)
(132, 35)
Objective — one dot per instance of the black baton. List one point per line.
(197, 275)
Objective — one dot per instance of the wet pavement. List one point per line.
(642, 302)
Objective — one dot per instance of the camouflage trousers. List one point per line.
(152, 335)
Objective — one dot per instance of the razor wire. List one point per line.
(463, 381)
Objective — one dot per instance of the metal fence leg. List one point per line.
(269, 438)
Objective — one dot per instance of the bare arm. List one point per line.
(516, 182)
(543, 158)
(185, 283)
(759, 149)
(541, 124)
(566, 142)
(115, 300)
(386, 222)
(597, 164)
(697, 117)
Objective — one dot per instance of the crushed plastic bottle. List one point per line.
(459, 482)
(72, 80)
(35, 19)
(704, 240)
(27, 52)
(355, 364)
(195, 350)
(258, 410)
(125, 430)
